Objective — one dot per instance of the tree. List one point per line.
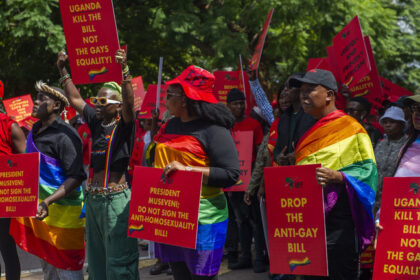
(212, 34)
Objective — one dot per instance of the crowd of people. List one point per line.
(86, 171)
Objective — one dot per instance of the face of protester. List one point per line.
(44, 106)
(392, 128)
(146, 124)
(176, 100)
(356, 110)
(415, 115)
(314, 99)
(108, 111)
(284, 101)
(237, 108)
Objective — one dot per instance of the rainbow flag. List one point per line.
(339, 142)
(95, 72)
(213, 211)
(59, 238)
(293, 263)
(133, 228)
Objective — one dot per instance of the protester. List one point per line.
(198, 139)
(293, 123)
(359, 108)
(246, 217)
(387, 150)
(57, 234)
(12, 141)
(348, 173)
(111, 254)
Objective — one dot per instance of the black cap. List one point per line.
(316, 77)
(235, 94)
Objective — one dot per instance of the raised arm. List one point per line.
(18, 139)
(127, 109)
(70, 89)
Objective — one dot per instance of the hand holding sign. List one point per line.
(328, 176)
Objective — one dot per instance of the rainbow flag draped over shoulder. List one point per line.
(339, 142)
(213, 211)
(59, 238)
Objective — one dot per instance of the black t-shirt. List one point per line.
(61, 142)
(217, 143)
(122, 143)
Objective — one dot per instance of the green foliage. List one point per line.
(212, 34)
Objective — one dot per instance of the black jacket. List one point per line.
(303, 123)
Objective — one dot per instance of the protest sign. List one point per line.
(369, 86)
(139, 93)
(227, 80)
(1, 90)
(19, 108)
(392, 91)
(398, 245)
(351, 54)
(256, 57)
(19, 176)
(149, 102)
(367, 257)
(92, 40)
(318, 63)
(244, 143)
(295, 220)
(28, 122)
(165, 211)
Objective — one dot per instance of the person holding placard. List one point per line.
(111, 254)
(348, 174)
(12, 141)
(56, 236)
(198, 139)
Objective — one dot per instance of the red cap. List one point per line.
(197, 84)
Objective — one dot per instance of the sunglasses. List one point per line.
(103, 101)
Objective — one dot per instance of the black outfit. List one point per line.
(122, 144)
(374, 134)
(62, 142)
(218, 145)
(8, 251)
(290, 129)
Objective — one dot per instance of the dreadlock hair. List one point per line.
(214, 113)
(54, 92)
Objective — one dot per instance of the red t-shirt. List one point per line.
(5, 134)
(138, 147)
(250, 124)
(84, 133)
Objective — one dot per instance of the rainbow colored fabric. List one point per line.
(95, 72)
(59, 238)
(213, 211)
(339, 142)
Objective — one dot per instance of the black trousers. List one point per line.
(181, 272)
(8, 251)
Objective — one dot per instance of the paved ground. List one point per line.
(31, 270)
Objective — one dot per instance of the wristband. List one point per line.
(63, 78)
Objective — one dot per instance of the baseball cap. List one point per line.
(197, 84)
(316, 77)
(411, 99)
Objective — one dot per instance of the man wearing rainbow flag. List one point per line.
(348, 173)
(56, 235)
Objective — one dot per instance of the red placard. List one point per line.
(398, 246)
(92, 40)
(296, 223)
(369, 86)
(351, 53)
(165, 211)
(139, 92)
(19, 107)
(392, 91)
(256, 57)
(28, 123)
(19, 176)
(227, 80)
(1, 90)
(149, 102)
(367, 257)
(243, 142)
(318, 63)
